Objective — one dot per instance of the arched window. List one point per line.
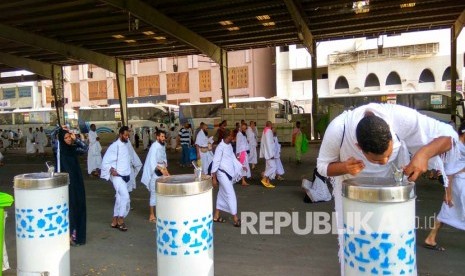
(446, 75)
(341, 83)
(426, 76)
(393, 79)
(371, 80)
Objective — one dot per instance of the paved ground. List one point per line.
(111, 252)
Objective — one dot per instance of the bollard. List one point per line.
(184, 226)
(42, 224)
(379, 227)
(5, 201)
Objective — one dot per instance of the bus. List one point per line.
(436, 105)
(211, 113)
(34, 118)
(107, 119)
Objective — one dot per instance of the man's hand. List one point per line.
(214, 181)
(113, 172)
(417, 166)
(354, 166)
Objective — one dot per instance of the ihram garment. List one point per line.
(242, 146)
(155, 157)
(94, 155)
(410, 131)
(277, 157)
(228, 171)
(122, 157)
(267, 151)
(252, 139)
(206, 154)
(30, 147)
(455, 215)
(41, 141)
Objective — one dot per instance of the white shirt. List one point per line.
(225, 160)
(119, 157)
(201, 139)
(251, 137)
(241, 143)
(155, 157)
(267, 144)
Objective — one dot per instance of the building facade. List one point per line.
(405, 63)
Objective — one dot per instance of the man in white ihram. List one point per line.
(252, 134)
(30, 147)
(267, 151)
(155, 166)
(117, 165)
(94, 155)
(41, 141)
(203, 145)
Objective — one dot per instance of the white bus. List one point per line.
(107, 119)
(210, 113)
(35, 117)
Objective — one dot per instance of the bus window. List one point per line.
(6, 119)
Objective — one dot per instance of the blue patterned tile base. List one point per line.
(43, 222)
(184, 237)
(380, 253)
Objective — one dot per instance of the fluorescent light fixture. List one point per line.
(118, 36)
(148, 33)
(225, 22)
(235, 28)
(268, 24)
(407, 5)
(361, 6)
(263, 17)
(160, 37)
(130, 41)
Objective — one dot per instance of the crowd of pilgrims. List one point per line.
(228, 157)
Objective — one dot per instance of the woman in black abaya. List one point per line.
(70, 148)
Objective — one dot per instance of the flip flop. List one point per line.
(435, 247)
(237, 223)
(122, 227)
(267, 185)
(220, 220)
(114, 226)
(153, 220)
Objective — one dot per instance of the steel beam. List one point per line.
(67, 50)
(314, 89)
(58, 93)
(38, 67)
(458, 24)
(155, 18)
(122, 93)
(303, 31)
(224, 78)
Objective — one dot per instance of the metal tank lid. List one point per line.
(183, 185)
(377, 189)
(41, 180)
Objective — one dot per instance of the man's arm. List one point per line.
(419, 162)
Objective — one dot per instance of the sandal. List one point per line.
(219, 219)
(237, 223)
(435, 247)
(122, 227)
(114, 225)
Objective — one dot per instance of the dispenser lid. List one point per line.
(377, 189)
(182, 185)
(42, 180)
